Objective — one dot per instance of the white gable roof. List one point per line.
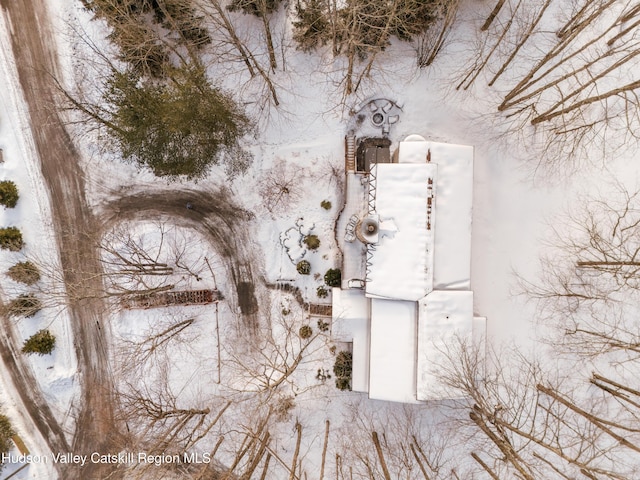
(400, 264)
(453, 214)
(431, 245)
(392, 362)
(444, 316)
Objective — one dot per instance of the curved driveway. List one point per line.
(218, 219)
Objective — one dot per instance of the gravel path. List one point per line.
(75, 227)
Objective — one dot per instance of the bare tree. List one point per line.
(359, 31)
(281, 186)
(165, 413)
(152, 261)
(483, 58)
(262, 9)
(590, 280)
(494, 13)
(574, 95)
(269, 364)
(148, 34)
(531, 430)
(408, 442)
(431, 42)
(228, 36)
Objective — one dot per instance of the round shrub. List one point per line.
(303, 267)
(333, 277)
(305, 332)
(312, 242)
(326, 204)
(11, 239)
(26, 305)
(342, 367)
(322, 292)
(42, 343)
(343, 383)
(8, 193)
(342, 370)
(24, 272)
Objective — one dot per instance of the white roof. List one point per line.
(360, 364)
(392, 367)
(418, 274)
(453, 215)
(453, 207)
(400, 264)
(350, 323)
(414, 149)
(443, 315)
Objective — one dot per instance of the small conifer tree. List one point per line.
(303, 267)
(342, 370)
(333, 277)
(305, 332)
(312, 242)
(11, 239)
(42, 342)
(8, 193)
(6, 432)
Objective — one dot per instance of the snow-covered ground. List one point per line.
(512, 207)
(56, 373)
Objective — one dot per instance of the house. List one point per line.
(415, 231)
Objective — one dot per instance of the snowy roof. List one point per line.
(400, 264)
(424, 207)
(442, 316)
(453, 207)
(392, 367)
(360, 364)
(430, 244)
(453, 214)
(414, 149)
(350, 323)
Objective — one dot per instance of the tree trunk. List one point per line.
(383, 464)
(608, 264)
(235, 41)
(492, 15)
(565, 41)
(598, 422)
(294, 462)
(493, 49)
(268, 37)
(485, 466)
(521, 43)
(503, 445)
(420, 464)
(324, 449)
(587, 101)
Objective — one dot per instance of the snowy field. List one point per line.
(517, 201)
